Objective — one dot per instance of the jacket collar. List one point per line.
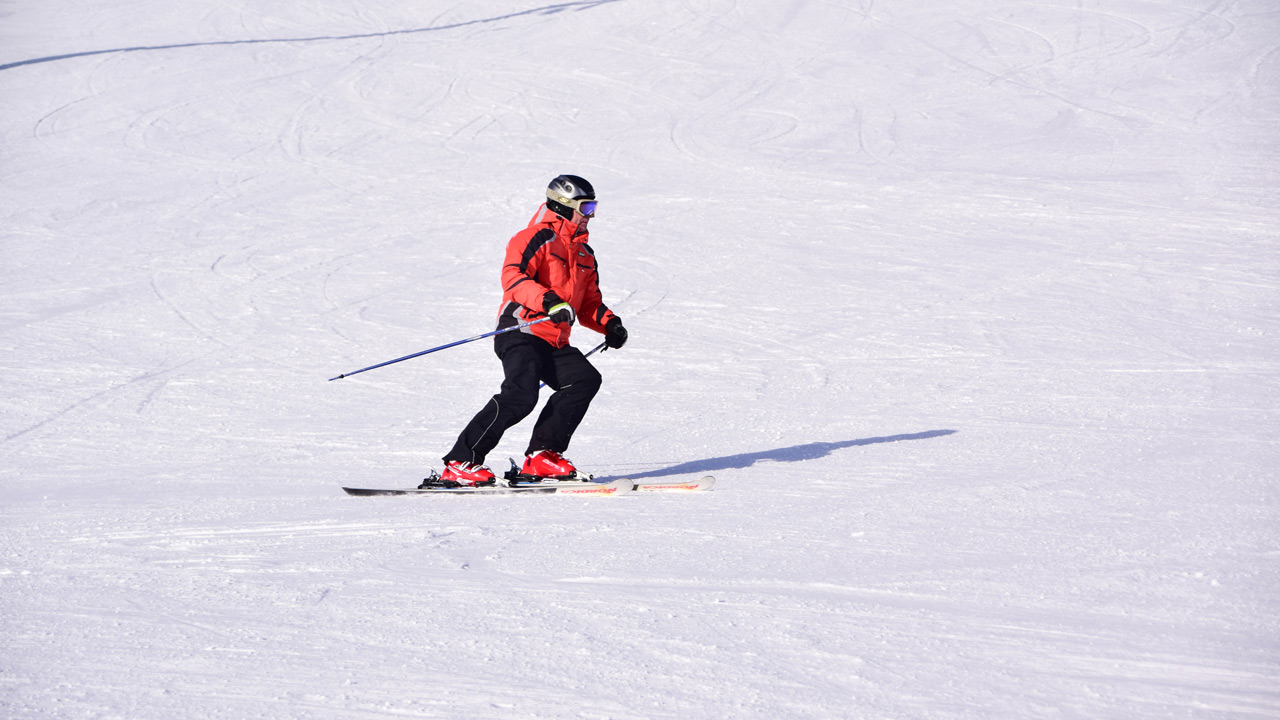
(563, 228)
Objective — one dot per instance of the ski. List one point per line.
(584, 489)
(514, 482)
(515, 478)
(566, 487)
(703, 483)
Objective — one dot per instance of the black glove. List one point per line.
(615, 336)
(559, 310)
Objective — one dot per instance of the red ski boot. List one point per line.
(549, 464)
(465, 474)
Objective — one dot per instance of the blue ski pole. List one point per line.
(521, 326)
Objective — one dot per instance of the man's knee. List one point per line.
(588, 383)
(515, 403)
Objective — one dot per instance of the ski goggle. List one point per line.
(586, 206)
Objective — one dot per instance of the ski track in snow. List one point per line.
(970, 307)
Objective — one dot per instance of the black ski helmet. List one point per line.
(564, 193)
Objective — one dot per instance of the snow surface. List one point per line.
(971, 306)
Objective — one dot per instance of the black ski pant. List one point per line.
(527, 361)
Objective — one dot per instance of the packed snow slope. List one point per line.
(971, 306)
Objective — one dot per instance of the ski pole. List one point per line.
(521, 326)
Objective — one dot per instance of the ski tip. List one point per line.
(703, 483)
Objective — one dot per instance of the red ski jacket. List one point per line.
(545, 256)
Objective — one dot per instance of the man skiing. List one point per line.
(549, 271)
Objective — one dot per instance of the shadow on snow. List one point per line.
(544, 10)
(795, 453)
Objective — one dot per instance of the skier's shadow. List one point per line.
(795, 453)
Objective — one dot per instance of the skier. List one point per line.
(549, 271)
